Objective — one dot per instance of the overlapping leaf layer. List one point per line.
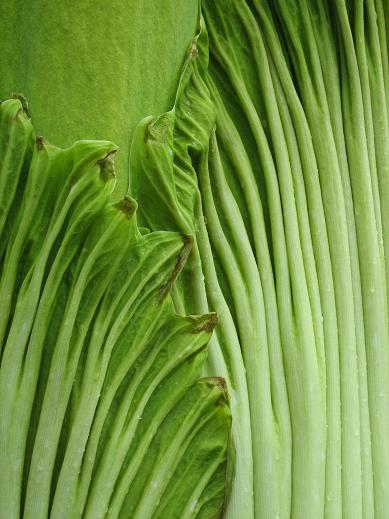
(276, 158)
(103, 411)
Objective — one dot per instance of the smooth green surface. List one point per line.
(93, 69)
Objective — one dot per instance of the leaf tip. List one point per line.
(40, 143)
(181, 259)
(128, 206)
(23, 102)
(107, 166)
(204, 323)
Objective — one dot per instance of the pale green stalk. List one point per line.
(377, 65)
(228, 338)
(314, 99)
(229, 137)
(375, 304)
(326, 41)
(241, 271)
(303, 466)
(322, 257)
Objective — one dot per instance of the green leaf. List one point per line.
(103, 412)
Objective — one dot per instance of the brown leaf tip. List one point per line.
(23, 102)
(40, 143)
(193, 51)
(204, 323)
(127, 206)
(107, 166)
(182, 257)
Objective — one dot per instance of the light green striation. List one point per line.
(103, 411)
(262, 122)
(274, 158)
(262, 172)
(367, 207)
(179, 195)
(305, 85)
(92, 70)
(167, 155)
